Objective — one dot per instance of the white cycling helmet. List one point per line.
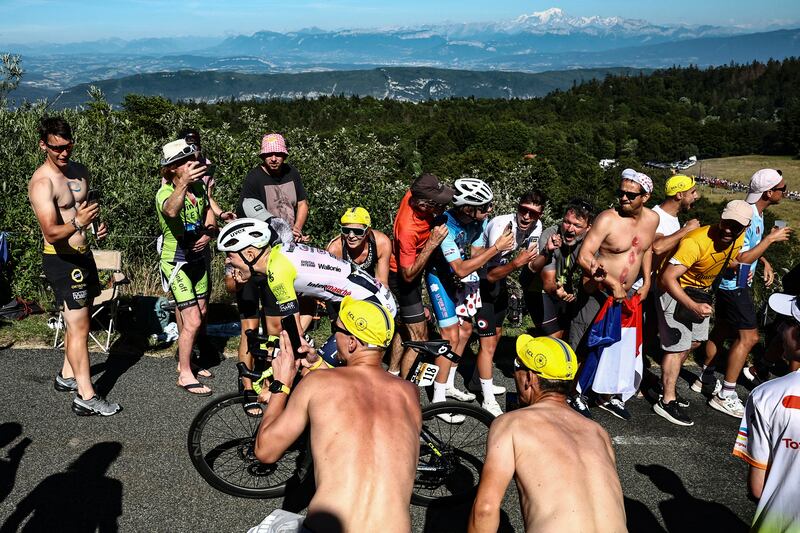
(244, 232)
(472, 191)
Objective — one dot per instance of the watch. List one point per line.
(277, 386)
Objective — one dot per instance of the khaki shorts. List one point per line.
(677, 336)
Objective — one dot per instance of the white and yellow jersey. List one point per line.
(298, 270)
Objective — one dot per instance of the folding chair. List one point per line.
(106, 301)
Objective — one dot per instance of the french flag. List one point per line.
(613, 363)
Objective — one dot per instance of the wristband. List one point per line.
(317, 364)
(75, 224)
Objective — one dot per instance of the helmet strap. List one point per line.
(253, 262)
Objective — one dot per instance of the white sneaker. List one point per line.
(450, 418)
(705, 388)
(730, 405)
(460, 395)
(497, 390)
(493, 407)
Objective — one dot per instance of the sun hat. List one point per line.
(546, 356)
(356, 215)
(428, 187)
(739, 211)
(678, 183)
(175, 151)
(367, 321)
(273, 143)
(762, 181)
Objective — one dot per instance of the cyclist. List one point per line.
(452, 277)
(187, 225)
(295, 270)
(362, 245)
(365, 473)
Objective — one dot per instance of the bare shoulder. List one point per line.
(650, 216)
(605, 219)
(382, 240)
(335, 247)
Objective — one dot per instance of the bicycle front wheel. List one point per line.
(221, 445)
(451, 455)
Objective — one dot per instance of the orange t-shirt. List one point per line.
(411, 232)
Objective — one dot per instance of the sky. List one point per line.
(28, 21)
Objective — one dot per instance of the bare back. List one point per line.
(54, 196)
(565, 470)
(626, 239)
(365, 426)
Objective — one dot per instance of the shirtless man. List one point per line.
(365, 426)
(58, 193)
(563, 464)
(615, 252)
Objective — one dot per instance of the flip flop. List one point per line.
(191, 386)
(198, 371)
(253, 409)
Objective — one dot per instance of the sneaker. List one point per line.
(672, 412)
(493, 407)
(459, 395)
(705, 387)
(581, 404)
(730, 405)
(683, 403)
(450, 418)
(497, 390)
(96, 405)
(751, 374)
(62, 384)
(616, 407)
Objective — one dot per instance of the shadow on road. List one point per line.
(9, 466)
(640, 518)
(82, 499)
(684, 512)
(123, 354)
(454, 518)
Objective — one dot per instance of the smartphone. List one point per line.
(509, 227)
(210, 170)
(534, 243)
(780, 223)
(289, 325)
(92, 197)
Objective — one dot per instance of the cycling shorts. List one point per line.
(409, 298)
(255, 295)
(73, 278)
(188, 282)
(443, 299)
(494, 307)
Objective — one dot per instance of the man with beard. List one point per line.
(526, 229)
(549, 296)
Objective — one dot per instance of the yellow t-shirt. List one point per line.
(696, 251)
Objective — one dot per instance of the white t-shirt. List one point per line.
(522, 239)
(667, 224)
(769, 439)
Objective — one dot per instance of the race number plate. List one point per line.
(425, 374)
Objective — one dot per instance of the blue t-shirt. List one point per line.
(737, 278)
(460, 237)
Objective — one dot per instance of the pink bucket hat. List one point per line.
(273, 143)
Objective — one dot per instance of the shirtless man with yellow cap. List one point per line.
(365, 426)
(560, 489)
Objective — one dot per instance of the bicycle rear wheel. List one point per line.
(451, 455)
(221, 445)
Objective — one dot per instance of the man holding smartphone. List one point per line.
(525, 227)
(58, 193)
(735, 313)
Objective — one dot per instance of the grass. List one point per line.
(741, 168)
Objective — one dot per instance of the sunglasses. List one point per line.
(532, 213)
(430, 204)
(629, 195)
(781, 189)
(358, 232)
(483, 208)
(336, 329)
(188, 150)
(583, 204)
(61, 147)
(192, 139)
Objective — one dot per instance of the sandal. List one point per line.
(253, 409)
(191, 386)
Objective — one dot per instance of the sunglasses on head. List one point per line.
(187, 150)
(358, 232)
(483, 208)
(192, 139)
(629, 195)
(60, 147)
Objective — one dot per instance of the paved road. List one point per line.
(133, 469)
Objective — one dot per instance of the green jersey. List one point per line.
(182, 232)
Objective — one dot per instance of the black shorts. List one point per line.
(255, 295)
(409, 298)
(494, 307)
(736, 308)
(548, 314)
(73, 278)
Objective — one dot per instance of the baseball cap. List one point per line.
(175, 151)
(356, 215)
(638, 177)
(367, 321)
(428, 187)
(548, 357)
(762, 181)
(273, 143)
(678, 183)
(785, 304)
(739, 211)
(255, 209)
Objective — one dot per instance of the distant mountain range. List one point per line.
(549, 40)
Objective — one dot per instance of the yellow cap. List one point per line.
(678, 183)
(356, 215)
(548, 357)
(369, 322)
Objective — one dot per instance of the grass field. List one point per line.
(740, 168)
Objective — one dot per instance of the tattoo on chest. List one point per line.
(74, 186)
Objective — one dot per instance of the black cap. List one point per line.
(428, 187)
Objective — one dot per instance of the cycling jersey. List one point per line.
(181, 232)
(297, 269)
